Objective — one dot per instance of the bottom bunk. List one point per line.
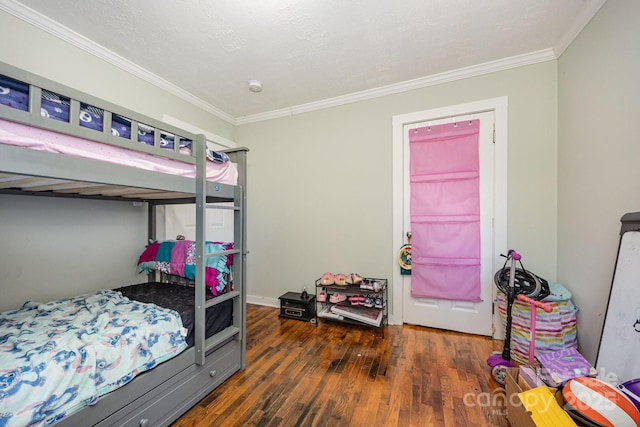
(115, 357)
(181, 299)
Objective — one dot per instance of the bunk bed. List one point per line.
(138, 159)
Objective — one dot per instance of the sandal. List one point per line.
(356, 278)
(340, 279)
(327, 279)
(337, 297)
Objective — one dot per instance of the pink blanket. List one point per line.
(12, 133)
(178, 257)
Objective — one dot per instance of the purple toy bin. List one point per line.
(631, 389)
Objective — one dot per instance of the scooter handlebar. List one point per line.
(540, 304)
(513, 254)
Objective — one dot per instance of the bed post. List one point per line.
(240, 236)
(152, 223)
(200, 145)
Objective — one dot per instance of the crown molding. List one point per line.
(436, 79)
(588, 13)
(46, 24)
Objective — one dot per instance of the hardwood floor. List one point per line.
(344, 375)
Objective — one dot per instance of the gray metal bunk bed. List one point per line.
(161, 395)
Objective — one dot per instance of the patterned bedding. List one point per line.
(58, 357)
(15, 94)
(177, 257)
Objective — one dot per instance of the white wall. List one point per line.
(598, 157)
(320, 183)
(54, 248)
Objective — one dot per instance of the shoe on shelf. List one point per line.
(322, 296)
(349, 279)
(356, 278)
(337, 297)
(340, 279)
(366, 284)
(354, 300)
(361, 299)
(379, 303)
(327, 279)
(368, 301)
(375, 286)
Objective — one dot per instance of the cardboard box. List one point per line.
(518, 415)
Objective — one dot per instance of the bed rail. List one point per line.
(93, 178)
(33, 116)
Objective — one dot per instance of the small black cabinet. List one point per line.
(293, 306)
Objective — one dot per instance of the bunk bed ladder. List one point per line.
(201, 234)
(239, 157)
(238, 294)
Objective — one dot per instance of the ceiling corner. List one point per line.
(580, 23)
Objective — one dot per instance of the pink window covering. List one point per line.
(445, 211)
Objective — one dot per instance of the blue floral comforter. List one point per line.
(57, 357)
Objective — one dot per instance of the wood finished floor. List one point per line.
(341, 375)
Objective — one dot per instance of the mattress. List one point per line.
(17, 134)
(181, 299)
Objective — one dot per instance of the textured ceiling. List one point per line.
(305, 51)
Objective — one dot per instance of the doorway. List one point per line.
(180, 219)
(462, 316)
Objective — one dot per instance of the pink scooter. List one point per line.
(532, 328)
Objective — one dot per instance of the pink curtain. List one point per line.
(445, 211)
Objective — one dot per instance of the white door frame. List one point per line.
(500, 108)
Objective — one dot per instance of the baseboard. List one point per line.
(258, 300)
(275, 302)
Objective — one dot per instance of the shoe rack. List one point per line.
(364, 303)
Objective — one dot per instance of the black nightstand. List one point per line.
(293, 306)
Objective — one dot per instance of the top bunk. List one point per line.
(58, 141)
